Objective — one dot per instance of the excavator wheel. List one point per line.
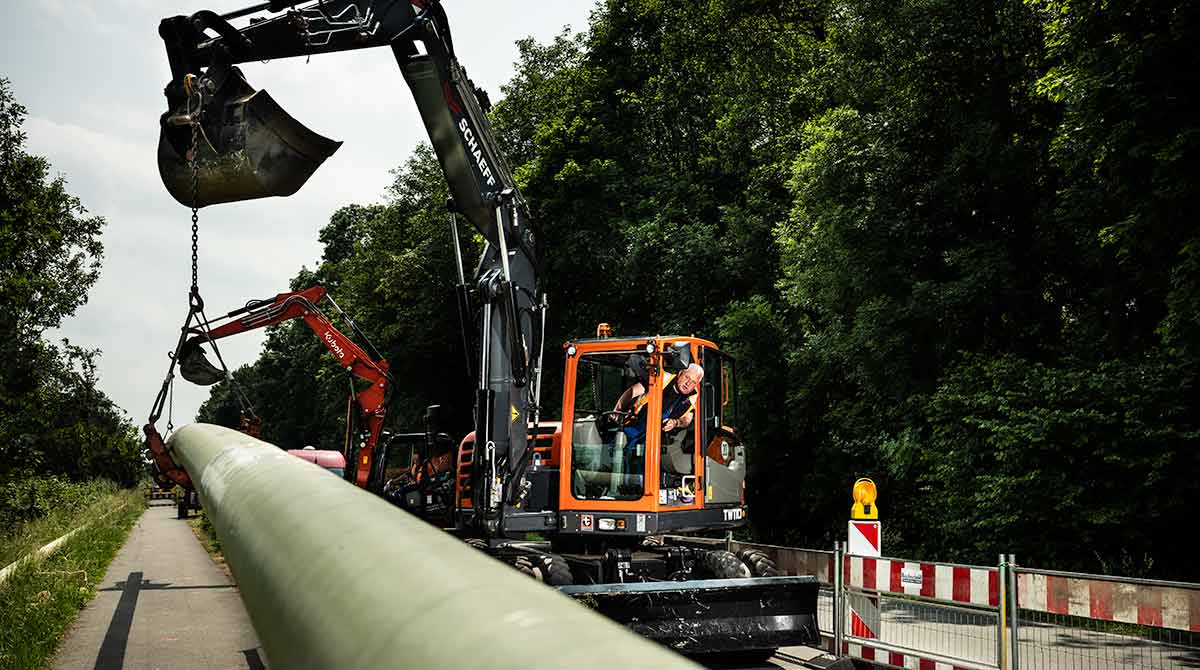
(549, 569)
(477, 543)
(721, 564)
(525, 565)
(555, 571)
(759, 563)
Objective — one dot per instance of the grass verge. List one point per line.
(62, 507)
(42, 598)
(204, 531)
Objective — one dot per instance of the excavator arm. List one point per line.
(245, 146)
(370, 402)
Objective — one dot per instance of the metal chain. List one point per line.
(171, 406)
(194, 160)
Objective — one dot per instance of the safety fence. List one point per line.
(1070, 620)
(942, 616)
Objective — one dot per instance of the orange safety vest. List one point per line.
(644, 399)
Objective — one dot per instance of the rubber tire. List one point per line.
(548, 569)
(524, 565)
(555, 571)
(721, 564)
(759, 563)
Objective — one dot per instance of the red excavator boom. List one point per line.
(368, 404)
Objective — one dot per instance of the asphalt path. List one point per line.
(163, 604)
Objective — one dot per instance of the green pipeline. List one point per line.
(334, 577)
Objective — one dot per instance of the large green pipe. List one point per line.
(334, 577)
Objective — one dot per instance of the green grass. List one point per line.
(68, 510)
(203, 529)
(41, 599)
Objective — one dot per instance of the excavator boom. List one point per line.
(369, 404)
(245, 146)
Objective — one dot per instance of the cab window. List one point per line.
(607, 452)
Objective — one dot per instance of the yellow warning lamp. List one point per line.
(604, 330)
(864, 500)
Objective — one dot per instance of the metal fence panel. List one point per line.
(945, 615)
(1070, 620)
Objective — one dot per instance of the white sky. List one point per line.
(91, 74)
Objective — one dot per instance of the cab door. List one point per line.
(722, 456)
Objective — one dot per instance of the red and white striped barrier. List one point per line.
(907, 661)
(1137, 603)
(943, 581)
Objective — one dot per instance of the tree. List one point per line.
(949, 242)
(52, 416)
(51, 247)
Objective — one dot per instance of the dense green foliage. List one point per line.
(53, 418)
(953, 245)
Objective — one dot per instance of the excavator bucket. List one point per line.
(711, 616)
(194, 366)
(247, 148)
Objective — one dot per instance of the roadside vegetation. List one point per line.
(36, 510)
(203, 529)
(42, 597)
(69, 457)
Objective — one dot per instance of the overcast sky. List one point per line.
(91, 75)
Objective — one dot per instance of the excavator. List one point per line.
(599, 503)
(365, 408)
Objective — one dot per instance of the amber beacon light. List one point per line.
(864, 500)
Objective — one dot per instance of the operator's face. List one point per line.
(687, 381)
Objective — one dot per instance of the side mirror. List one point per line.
(677, 357)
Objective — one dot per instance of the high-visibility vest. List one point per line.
(637, 428)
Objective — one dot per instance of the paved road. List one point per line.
(163, 604)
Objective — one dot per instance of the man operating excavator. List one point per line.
(678, 408)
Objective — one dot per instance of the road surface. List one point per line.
(163, 604)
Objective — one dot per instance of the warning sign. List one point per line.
(864, 538)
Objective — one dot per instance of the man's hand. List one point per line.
(670, 425)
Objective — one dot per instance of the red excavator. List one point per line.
(365, 409)
(604, 487)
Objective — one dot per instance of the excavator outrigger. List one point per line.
(602, 495)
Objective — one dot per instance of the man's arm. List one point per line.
(683, 421)
(625, 402)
